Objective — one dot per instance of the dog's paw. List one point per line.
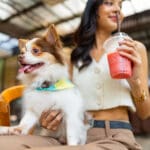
(4, 131)
(18, 130)
(15, 130)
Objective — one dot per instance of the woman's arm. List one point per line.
(137, 53)
(139, 85)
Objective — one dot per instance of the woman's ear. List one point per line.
(52, 36)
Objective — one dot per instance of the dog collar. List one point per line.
(59, 85)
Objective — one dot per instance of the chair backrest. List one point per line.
(7, 96)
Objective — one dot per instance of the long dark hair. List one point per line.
(85, 35)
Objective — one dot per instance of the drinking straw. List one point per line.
(118, 21)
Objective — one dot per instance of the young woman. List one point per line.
(108, 100)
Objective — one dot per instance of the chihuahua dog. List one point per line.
(45, 75)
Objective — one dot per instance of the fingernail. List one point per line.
(44, 123)
(49, 127)
(44, 111)
(54, 129)
(120, 43)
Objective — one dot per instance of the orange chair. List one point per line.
(6, 97)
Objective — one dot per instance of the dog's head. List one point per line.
(40, 52)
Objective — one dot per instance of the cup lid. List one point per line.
(121, 34)
(112, 42)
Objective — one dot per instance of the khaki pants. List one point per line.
(98, 139)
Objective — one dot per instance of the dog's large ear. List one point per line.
(22, 43)
(52, 37)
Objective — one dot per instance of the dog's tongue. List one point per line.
(29, 67)
(25, 69)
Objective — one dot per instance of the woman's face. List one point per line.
(107, 18)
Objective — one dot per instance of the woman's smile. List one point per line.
(113, 18)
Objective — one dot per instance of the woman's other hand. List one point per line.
(136, 52)
(51, 119)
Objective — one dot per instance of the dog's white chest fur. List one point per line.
(66, 99)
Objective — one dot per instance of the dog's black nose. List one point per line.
(20, 57)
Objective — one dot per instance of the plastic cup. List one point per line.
(120, 67)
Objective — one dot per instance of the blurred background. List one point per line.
(27, 18)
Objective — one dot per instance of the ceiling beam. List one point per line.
(17, 32)
(12, 30)
(53, 2)
(22, 12)
(56, 23)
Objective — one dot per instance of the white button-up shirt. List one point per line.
(99, 90)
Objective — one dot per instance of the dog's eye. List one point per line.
(36, 51)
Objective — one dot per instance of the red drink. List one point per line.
(120, 67)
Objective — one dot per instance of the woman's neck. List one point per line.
(98, 49)
(101, 36)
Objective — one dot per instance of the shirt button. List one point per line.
(97, 70)
(98, 103)
(98, 86)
